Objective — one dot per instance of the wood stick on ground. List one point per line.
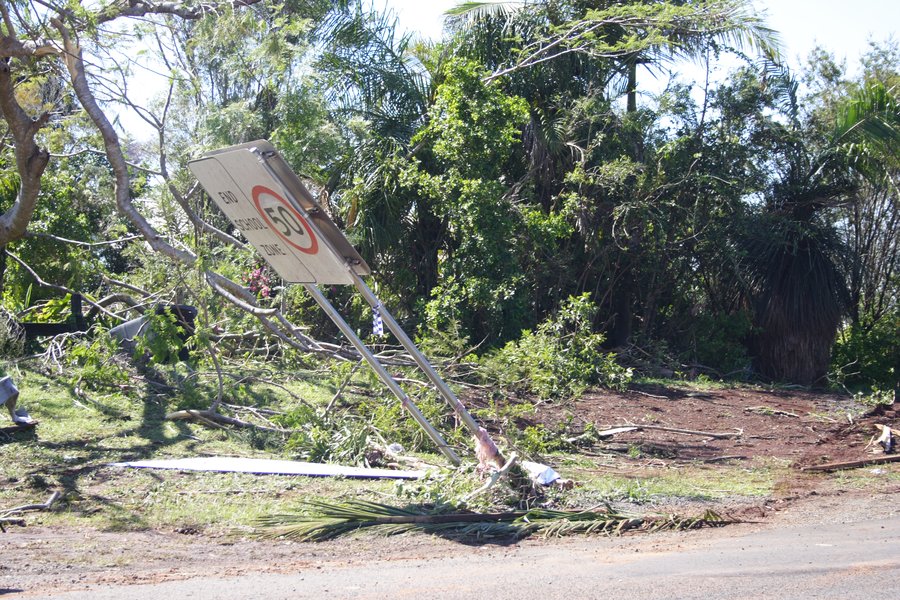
(724, 458)
(30, 507)
(4, 521)
(613, 431)
(768, 410)
(718, 436)
(852, 464)
(7, 518)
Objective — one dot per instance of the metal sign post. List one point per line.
(265, 199)
(382, 373)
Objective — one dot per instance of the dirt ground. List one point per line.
(802, 427)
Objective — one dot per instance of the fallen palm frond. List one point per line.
(328, 520)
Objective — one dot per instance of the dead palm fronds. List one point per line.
(326, 520)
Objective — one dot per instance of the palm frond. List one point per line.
(325, 520)
(466, 14)
(869, 124)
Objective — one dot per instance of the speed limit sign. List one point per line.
(266, 201)
(284, 220)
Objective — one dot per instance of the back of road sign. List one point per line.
(266, 201)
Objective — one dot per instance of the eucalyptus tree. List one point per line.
(210, 58)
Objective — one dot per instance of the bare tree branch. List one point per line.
(139, 8)
(56, 238)
(11, 47)
(75, 66)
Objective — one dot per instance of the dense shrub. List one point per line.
(869, 356)
(560, 358)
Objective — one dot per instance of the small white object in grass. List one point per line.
(539, 473)
(395, 448)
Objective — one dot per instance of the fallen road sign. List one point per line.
(265, 199)
(262, 196)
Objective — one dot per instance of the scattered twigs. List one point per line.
(343, 385)
(7, 517)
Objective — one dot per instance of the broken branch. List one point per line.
(852, 464)
(7, 518)
(718, 436)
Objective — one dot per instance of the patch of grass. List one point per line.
(79, 434)
(699, 384)
(875, 478)
(673, 485)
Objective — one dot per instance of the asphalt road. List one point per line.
(833, 560)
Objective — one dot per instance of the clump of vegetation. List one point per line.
(720, 342)
(868, 355)
(561, 357)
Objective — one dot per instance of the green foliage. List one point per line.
(537, 439)
(876, 397)
(869, 356)
(720, 341)
(317, 439)
(94, 360)
(387, 416)
(164, 338)
(472, 124)
(71, 206)
(561, 357)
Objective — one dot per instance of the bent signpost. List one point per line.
(264, 198)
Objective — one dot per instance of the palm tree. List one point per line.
(382, 84)
(795, 262)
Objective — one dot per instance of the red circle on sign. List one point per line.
(284, 220)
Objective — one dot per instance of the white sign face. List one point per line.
(277, 214)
